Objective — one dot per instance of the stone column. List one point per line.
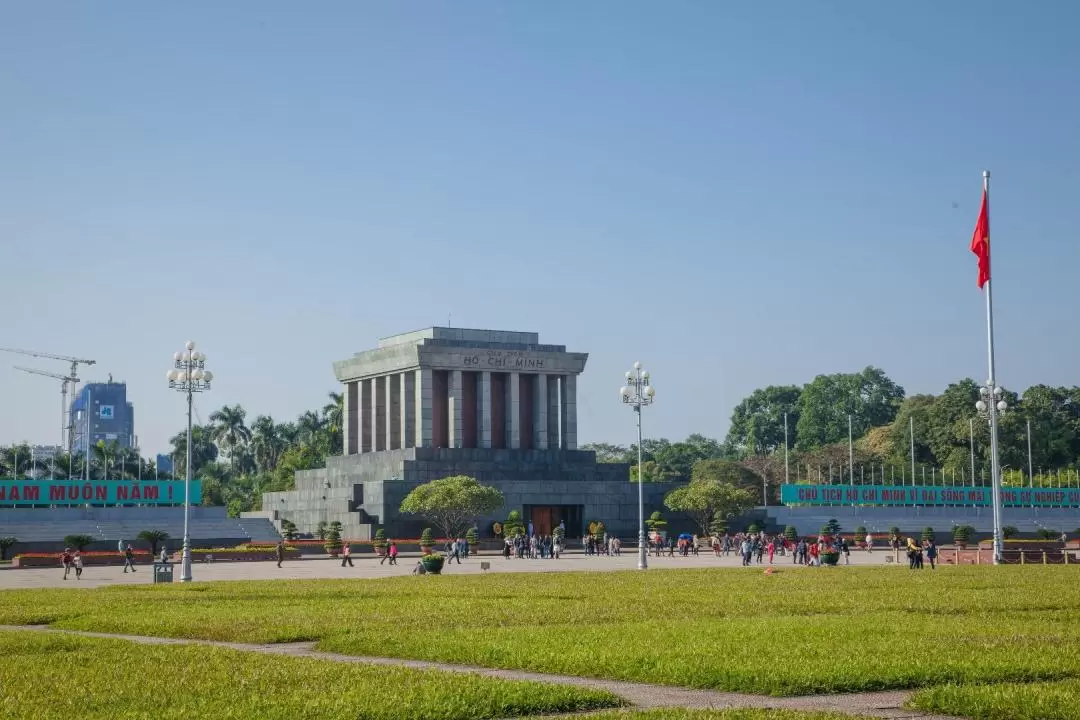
(554, 436)
(363, 413)
(455, 409)
(422, 396)
(484, 400)
(406, 394)
(346, 448)
(570, 412)
(393, 412)
(378, 413)
(540, 413)
(513, 411)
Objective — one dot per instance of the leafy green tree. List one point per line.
(289, 531)
(79, 542)
(831, 528)
(1009, 532)
(869, 397)
(791, 533)
(608, 453)
(757, 423)
(154, 538)
(703, 499)
(333, 419)
(203, 449)
(452, 503)
(5, 544)
(513, 525)
(728, 472)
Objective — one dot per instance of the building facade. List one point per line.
(498, 406)
(101, 412)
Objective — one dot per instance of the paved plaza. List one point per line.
(369, 568)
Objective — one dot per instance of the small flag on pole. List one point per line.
(980, 241)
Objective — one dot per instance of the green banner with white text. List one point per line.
(97, 492)
(897, 495)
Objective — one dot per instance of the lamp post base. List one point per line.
(642, 553)
(185, 562)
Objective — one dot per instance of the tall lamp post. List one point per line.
(637, 393)
(989, 406)
(189, 375)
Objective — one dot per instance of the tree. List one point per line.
(757, 423)
(5, 545)
(869, 397)
(154, 537)
(267, 442)
(513, 525)
(333, 417)
(656, 522)
(203, 449)
(607, 453)
(703, 499)
(831, 528)
(229, 431)
(311, 427)
(321, 530)
(289, 532)
(332, 544)
(452, 503)
(79, 542)
(727, 472)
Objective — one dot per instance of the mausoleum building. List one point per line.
(499, 406)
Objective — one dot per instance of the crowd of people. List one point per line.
(537, 547)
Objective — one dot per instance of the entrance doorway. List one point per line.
(545, 518)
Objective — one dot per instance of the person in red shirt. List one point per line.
(66, 559)
(813, 553)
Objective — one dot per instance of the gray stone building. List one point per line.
(495, 405)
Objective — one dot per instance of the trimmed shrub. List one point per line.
(427, 539)
(79, 542)
(753, 529)
(961, 534)
(860, 532)
(1009, 532)
(656, 521)
(928, 533)
(472, 537)
(831, 528)
(791, 533)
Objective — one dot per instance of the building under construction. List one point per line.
(111, 416)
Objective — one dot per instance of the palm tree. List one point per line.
(229, 430)
(203, 449)
(106, 455)
(290, 435)
(311, 427)
(333, 414)
(267, 442)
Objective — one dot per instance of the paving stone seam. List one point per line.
(887, 704)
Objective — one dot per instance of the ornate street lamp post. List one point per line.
(637, 393)
(189, 375)
(989, 406)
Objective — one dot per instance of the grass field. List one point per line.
(1035, 701)
(46, 677)
(795, 632)
(676, 714)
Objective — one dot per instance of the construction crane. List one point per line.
(64, 381)
(73, 378)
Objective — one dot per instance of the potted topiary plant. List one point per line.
(927, 533)
(473, 538)
(379, 543)
(960, 536)
(332, 544)
(791, 533)
(656, 524)
(433, 563)
(753, 529)
(427, 541)
(829, 555)
(1009, 532)
(860, 533)
(831, 528)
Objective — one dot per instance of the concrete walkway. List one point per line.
(889, 704)
(368, 567)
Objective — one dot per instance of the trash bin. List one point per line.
(163, 572)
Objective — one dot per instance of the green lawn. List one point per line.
(795, 632)
(678, 714)
(1036, 701)
(63, 677)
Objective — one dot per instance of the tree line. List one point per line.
(883, 423)
(235, 461)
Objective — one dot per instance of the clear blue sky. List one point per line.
(737, 194)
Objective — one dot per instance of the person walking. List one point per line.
(772, 550)
(931, 553)
(346, 554)
(129, 558)
(392, 552)
(869, 543)
(76, 560)
(65, 561)
(846, 550)
(280, 552)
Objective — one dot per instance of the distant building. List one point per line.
(111, 416)
(164, 464)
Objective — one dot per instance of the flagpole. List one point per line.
(993, 397)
